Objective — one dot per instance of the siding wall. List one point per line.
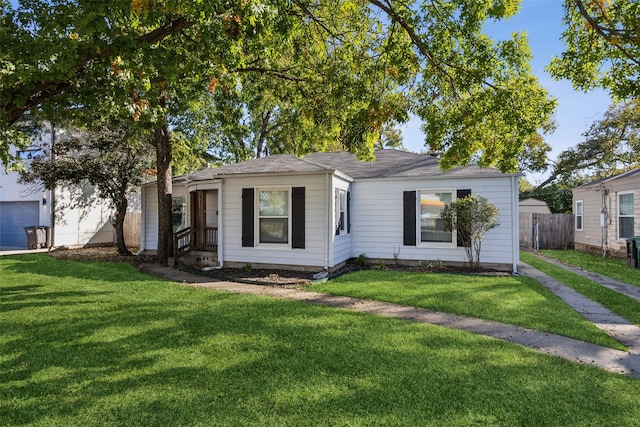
(377, 220)
(150, 213)
(314, 253)
(592, 234)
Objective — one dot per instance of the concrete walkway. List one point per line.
(626, 363)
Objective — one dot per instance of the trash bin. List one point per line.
(636, 244)
(632, 253)
(36, 236)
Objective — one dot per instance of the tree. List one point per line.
(611, 145)
(356, 65)
(111, 158)
(471, 217)
(602, 42)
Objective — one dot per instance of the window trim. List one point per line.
(419, 241)
(581, 215)
(618, 216)
(342, 210)
(257, 217)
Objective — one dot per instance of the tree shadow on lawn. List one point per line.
(203, 357)
(46, 265)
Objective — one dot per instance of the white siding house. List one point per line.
(79, 218)
(319, 211)
(606, 213)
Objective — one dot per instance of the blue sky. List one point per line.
(541, 20)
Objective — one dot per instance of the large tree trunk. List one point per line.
(118, 224)
(162, 143)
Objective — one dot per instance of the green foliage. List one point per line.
(112, 158)
(314, 76)
(601, 47)
(471, 217)
(611, 145)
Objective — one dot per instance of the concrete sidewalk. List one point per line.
(626, 363)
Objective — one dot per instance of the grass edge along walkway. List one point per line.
(568, 348)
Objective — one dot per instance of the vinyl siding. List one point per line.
(592, 233)
(377, 220)
(315, 209)
(150, 212)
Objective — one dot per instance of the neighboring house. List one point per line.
(531, 205)
(606, 212)
(29, 205)
(318, 211)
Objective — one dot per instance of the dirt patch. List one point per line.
(105, 254)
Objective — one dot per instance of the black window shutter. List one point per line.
(247, 217)
(460, 194)
(348, 211)
(297, 218)
(409, 218)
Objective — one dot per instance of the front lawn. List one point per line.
(620, 304)
(610, 267)
(93, 344)
(508, 299)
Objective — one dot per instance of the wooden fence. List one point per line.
(132, 224)
(546, 231)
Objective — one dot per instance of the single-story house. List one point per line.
(71, 217)
(531, 205)
(605, 213)
(318, 211)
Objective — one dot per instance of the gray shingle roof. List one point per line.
(388, 164)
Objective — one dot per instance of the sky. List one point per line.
(541, 21)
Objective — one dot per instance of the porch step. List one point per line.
(203, 258)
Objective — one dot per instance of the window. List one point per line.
(578, 213)
(625, 215)
(431, 223)
(273, 216)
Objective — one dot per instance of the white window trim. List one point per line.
(581, 202)
(342, 231)
(621, 193)
(419, 242)
(256, 216)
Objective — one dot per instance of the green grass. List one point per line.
(93, 344)
(515, 300)
(620, 304)
(614, 268)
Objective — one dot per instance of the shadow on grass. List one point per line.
(168, 355)
(46, 265)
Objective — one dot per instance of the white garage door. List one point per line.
(14, 217)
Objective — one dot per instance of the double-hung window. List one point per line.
(578, 214)
(431, 224)
(273, 216)
(625, 215)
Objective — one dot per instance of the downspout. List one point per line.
(515, 232)
(52, 196)
(220, 213)
(327, 219)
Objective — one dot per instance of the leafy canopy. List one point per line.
(602, 42)
(358, 65)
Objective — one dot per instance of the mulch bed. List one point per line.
(270, 277)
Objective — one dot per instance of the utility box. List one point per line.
(632, 253)
(36, 236)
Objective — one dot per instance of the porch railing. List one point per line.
(189, 239)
